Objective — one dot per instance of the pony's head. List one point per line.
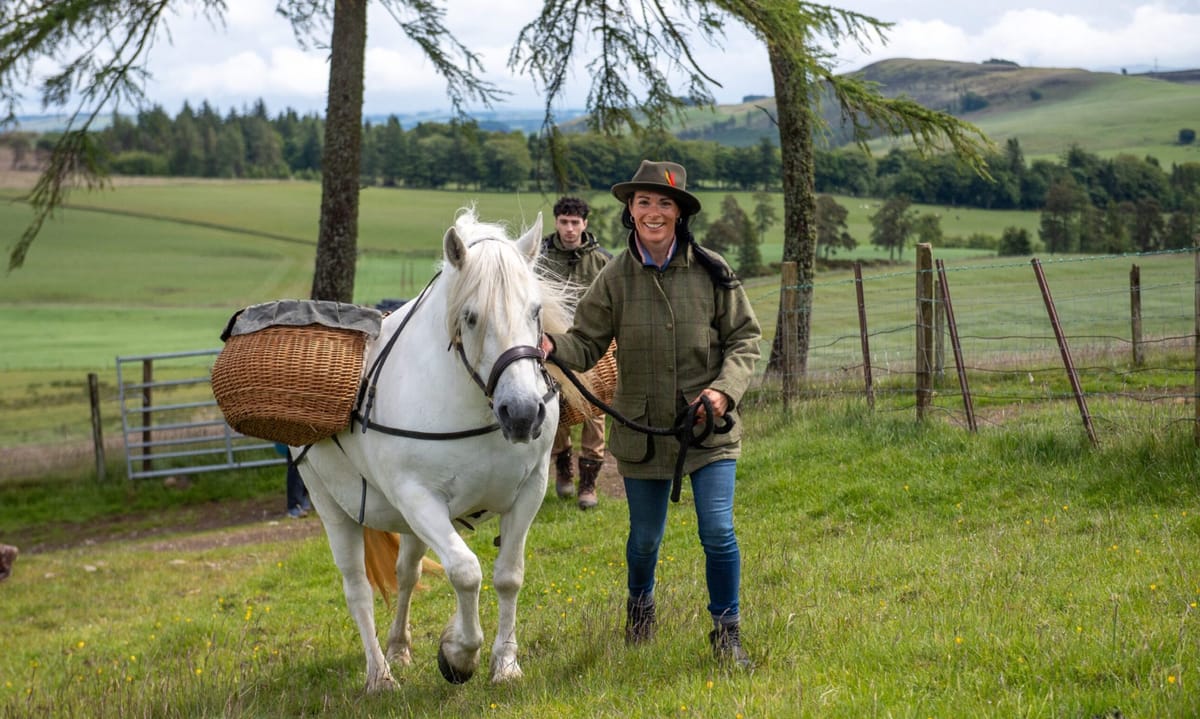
(496, 309)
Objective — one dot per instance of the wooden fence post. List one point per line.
(1065, 350)
(924, 359)
(1196, 343)
(1135, 313)
(960, 367)
(863, 335)
(97, 430)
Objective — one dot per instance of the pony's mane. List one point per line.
(493, 270)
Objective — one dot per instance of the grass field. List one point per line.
(1140, 117)
(159, 267)
(1108, 115)
(891, 569)
(126, 257)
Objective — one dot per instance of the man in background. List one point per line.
(571, 255)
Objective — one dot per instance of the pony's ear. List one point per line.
(530, 243)
(454, 248)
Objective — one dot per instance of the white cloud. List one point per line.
(255, 55)
(248, 75)
(1043, 38)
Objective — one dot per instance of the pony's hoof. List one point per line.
(506, 670)
(453, 675)
(400, 657)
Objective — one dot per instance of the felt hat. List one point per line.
(668, 178)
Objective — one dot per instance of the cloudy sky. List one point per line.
(257, 56)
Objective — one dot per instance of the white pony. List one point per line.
(455, 424)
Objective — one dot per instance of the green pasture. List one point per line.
(890, 569)
(1109, 115)
(179, 258)
(159, 268)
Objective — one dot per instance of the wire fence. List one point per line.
(1133, 371)
(1127, 326)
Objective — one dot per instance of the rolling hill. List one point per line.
(1046, 108)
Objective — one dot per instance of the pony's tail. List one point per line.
(380, 550)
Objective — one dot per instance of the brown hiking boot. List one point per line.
(726, 641)
(589, 469)
(639, 620)
(564, 479)
(8, 555)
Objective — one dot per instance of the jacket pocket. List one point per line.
(629, 445)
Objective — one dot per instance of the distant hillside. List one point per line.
(1046, 108)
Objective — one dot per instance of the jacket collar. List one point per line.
(679, 252)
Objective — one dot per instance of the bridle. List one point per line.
(507, 357)
(366, 393)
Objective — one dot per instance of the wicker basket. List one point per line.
(603, 381)
(290, 384)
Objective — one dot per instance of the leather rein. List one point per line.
(683, 429)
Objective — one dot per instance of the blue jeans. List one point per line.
(712, 489)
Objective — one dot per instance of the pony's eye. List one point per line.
(470, 319)
(536, 313)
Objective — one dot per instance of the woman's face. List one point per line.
(654, 216)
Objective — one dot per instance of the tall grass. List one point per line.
(891, 569)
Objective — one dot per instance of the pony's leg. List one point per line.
(508, 575)
(408, 573)
(458, 652)
(346, 543)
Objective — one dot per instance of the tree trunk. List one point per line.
(337, 244)
(799, 206)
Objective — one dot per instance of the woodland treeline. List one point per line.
(1088, 203)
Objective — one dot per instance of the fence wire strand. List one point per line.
(1008, 344)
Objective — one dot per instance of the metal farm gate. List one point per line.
(171, 423)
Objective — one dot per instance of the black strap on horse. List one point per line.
(366, 391)
(683, 428)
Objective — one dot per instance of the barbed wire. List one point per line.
(1004, 332)
(1010, 351)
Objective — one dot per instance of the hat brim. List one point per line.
(687, 201)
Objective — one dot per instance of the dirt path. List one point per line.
(192, 528)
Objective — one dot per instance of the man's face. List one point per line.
(570, 230)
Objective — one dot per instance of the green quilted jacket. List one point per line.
(578, 266)
(677, 332)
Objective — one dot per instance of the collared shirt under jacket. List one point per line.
(677, 332)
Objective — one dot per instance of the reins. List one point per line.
(682, 430)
